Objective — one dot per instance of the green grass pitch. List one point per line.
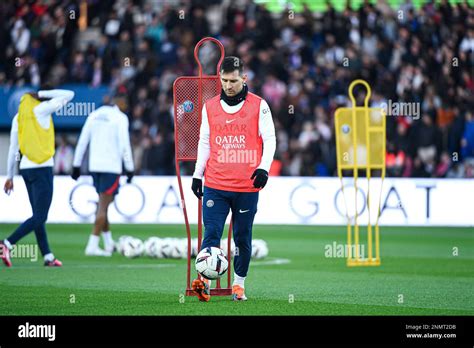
(419, 275)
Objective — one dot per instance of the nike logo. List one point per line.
(229, 121)
(243, 211)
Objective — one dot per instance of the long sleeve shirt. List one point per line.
(266, 131)
(106, 133)
(43, 111)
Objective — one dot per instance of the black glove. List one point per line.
(197, 188)
(76, 172)
(129, 176)
(261, 178)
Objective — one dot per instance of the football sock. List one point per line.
(107, 237)
(238, 280)
(49, 257)
(93, 242)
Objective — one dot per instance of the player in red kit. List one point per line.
(236, 147)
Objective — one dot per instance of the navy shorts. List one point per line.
(107, 183)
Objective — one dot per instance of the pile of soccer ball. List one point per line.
(176, 248)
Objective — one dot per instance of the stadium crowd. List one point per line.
(301, 63)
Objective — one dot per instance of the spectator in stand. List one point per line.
(297, 64)
(63, 157)
(467, 141)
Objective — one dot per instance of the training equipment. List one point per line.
(153, 247)
(168, 248)
(177, 248)
(259, 249)
(360, 146)
(224, 243)
(189, 95)
(211, 263)
(130, 247)
(120, 243)
(194, 247)
(149, 247)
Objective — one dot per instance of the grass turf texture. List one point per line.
(417, 263)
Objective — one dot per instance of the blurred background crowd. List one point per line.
(301, 62)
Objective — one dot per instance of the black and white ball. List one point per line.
(259, 249)
(153, 247)
(211, 263)
(131, 247)
(224, 246)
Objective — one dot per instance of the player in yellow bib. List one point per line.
(32, 139)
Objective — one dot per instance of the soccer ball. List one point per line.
(132, 247)
(259, 249)
(211, 263)
(194, 247)
(224, 247)
(121, 242)
(174, 248)
(180, 248)
(167, 247)
(153, 247)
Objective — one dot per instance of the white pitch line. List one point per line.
(270, 262)
(267, 262)
(102, 265)
(148, 266)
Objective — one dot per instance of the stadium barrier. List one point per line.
(285, 200)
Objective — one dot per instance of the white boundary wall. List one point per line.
(292, 200)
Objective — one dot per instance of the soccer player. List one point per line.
(32, 133)
(236, 147)
(106, 133)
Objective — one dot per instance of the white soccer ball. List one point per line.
(152, 247)
(167, 247)
(173, 248)
(211, 263)
(224, 247)
(132, 247)
(194, 247)
(259, 249)
(181, 248)
(121, 242)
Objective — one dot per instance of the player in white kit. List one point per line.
(106, 133)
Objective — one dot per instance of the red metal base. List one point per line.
(214, 292)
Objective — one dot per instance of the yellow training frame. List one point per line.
(360, 145)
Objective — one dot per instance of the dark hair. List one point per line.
(232, 63)
(45, 86)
